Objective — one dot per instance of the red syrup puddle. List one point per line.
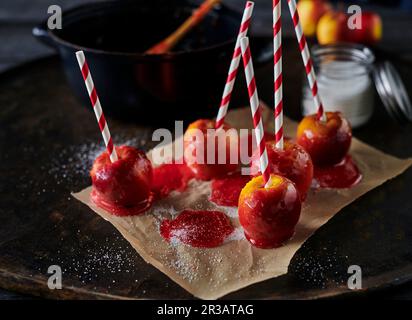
(119, 210)
(169, 177)
(342, 175)
(226, 191)
(199, 229)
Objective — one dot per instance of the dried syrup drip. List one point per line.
(119, 210)
(226, 191)
(200, 229)
(342, 175)
(169, 177)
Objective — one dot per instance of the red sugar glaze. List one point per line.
(200, 229)
(342, 175)
(226, 191)
(169, 177)
(120, 210)
(293, 162)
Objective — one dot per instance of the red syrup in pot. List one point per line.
(169, 177)
(226, 191)
(339, 176)
(121, 211)
(200, 229)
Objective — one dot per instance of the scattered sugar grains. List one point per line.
(103, 258)
(188, 270)
(231, 212)
(320, 268)
(236, 235)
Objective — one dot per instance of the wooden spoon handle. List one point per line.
(197, 16)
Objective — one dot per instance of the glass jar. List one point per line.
(344, 75)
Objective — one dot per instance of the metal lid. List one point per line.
(392, 91)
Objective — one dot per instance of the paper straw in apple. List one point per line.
(307, 60)
(278, 80)
(256, 109)
(104, 127)
(234, 65)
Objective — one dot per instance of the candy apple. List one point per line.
(125, 183)
(269, 215)
(207, 152)
(292, 162)
(328, 141)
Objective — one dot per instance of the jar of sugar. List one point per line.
(347, 79)
(344, 75)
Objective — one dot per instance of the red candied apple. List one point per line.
(293, 162)
(326, 142)
(269, 215)
(125, 183)
(196, 140)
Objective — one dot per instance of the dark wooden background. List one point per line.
(17, 18)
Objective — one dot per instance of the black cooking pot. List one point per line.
(114, 36)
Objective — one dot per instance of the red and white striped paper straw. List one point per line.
(234, 65)
(104, 128)
(307, 60)
(255, 108)
(278, 92)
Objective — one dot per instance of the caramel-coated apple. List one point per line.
(292, 162)
(269, 215)
(125, 183)
(204, 161)
(328, 141)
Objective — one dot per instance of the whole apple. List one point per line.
(292, 162)
(333, 27)
(310, 12)
(126, 182)
(203, 160)
(370, 31)
(269, 215)
(326, 142)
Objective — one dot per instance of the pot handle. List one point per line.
(42, 34)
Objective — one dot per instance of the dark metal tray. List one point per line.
(48, 141)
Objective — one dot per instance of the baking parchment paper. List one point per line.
(213, 273)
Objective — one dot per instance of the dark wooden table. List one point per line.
(17, 17)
